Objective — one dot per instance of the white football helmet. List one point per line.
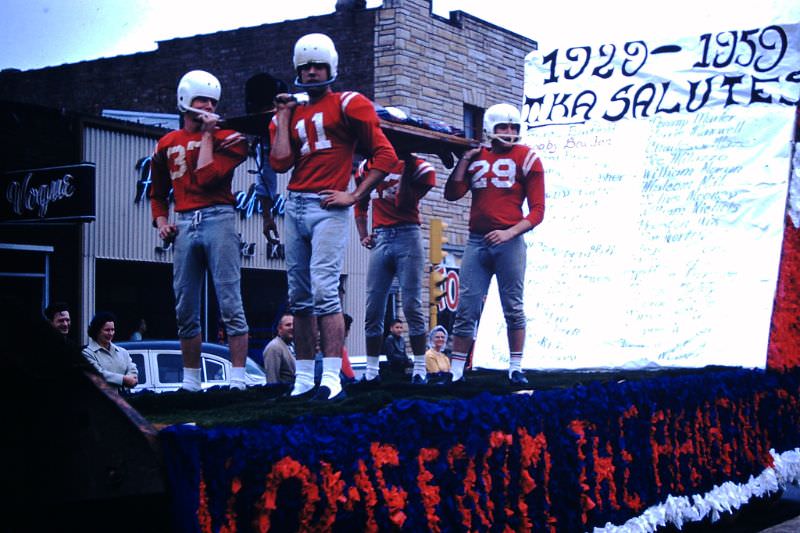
(197, 83)
(316, 48)
(502, 114)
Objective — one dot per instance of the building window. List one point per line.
(473, 121)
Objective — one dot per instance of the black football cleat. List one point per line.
(287, 396)
(447, 379)
(365, 384)
(518, 378)
(324, 395)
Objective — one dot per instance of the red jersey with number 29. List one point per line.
(324, 135)
(500, 183)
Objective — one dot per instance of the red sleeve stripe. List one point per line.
(422, 169)
(362, 169)
(347, 96)
(530, 160)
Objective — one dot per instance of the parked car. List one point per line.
(161, 367)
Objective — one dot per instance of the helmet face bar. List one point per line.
(502, 114)
(316, 48)
(195, 84)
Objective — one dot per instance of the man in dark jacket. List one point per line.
(394, 347)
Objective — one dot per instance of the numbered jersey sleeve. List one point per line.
(395, 200)
(324, 136)
(500, 184)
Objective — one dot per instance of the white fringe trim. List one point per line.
(724, 498)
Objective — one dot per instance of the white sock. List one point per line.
(191, 379)
(331, 366)
(457, 363)
(373, 367)
(516, 363)
(419, 366)
(237, 378)
(303, 376)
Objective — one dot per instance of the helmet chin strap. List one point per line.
(200, 112)
(314, 85)
(197, 112)
(505, 138)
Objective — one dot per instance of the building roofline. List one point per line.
(85, 119)
(457, 17)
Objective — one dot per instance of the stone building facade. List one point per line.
(434, 67)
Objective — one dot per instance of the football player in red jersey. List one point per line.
(501, 178)
(396, 244)
(318, 140)
(197, 163)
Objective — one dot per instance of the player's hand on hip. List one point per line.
(333, 198)
(498, 236)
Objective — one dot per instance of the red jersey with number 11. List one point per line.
(324, 135)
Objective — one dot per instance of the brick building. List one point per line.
(399, 54)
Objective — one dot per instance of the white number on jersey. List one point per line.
(501, 173)
(322, 141)
(180, 158)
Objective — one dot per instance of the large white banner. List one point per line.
(667, 168)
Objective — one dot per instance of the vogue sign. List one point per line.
(44, 194)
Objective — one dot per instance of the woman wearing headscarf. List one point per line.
(436, 360)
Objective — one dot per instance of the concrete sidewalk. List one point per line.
(790, 526)
(790, 505)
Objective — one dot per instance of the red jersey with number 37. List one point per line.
(324, 135)
(174, 166)
(500, 183)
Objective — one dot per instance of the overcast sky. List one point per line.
(39, 33)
